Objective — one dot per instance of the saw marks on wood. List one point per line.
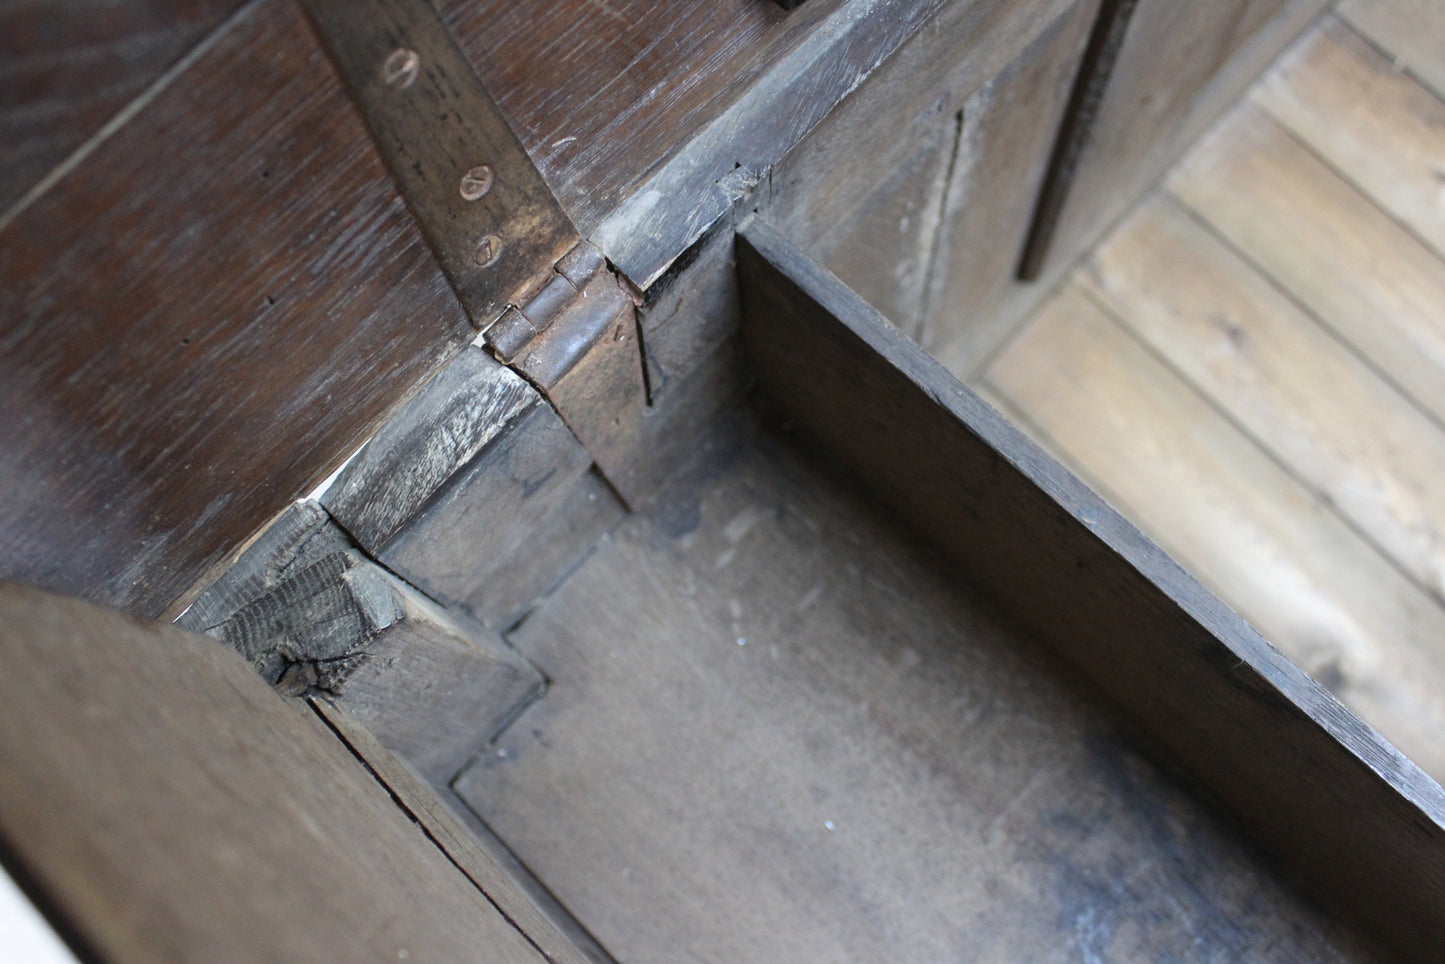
(776, 732)
(1253, 368)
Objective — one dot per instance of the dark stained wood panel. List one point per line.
(1353, 818)
(169, 806)
(67, 68)
(202, 320)
(599, 92)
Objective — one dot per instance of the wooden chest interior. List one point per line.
(788, 648)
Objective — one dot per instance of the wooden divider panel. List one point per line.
(1355, 819)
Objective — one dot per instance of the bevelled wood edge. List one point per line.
(1360, 824)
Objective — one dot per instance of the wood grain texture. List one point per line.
(885, 247)
(68, 68)
(173, 807)
(821, 183)
(482, 521)
(1339, 426)
(1361, 274)
(1182, 64)
(1229, 513)
(1377, 126)
(559, 940)
(469, 404)
(1075, 130)
(1413, 31)
(879, 771)
(974, 301)
(1358, 822)
(194, 338)
(432, 685)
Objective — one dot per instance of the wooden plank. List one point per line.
(584, 82)
(1271, 549)
(1412, 32)
(777, 731)
(974, 301)
(1379, 127)
(1182, 64)
(193, 339)
(885, 247)
(1355, 268)
(1075, 130)
(823, 180)
(560, 938)
(1358, 822)
(1339, 426)
(453, 418)
(70, 68)
(173, 807)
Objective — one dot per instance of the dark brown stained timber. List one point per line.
(169, 806)
(68, 68)
(493, 223)
(193, 335)
(635, 110)
(1356, 820)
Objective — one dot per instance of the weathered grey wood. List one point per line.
(974, 301)
(698, 183)
(588, 508)
(431, 685)
(1357, 821)
(559, 937)
(777, 731)
(172, 807)
(482, 521)
(826, 177)
(462, 410)
(689, 312)
(299, 536)
(885, 248)
(1181, 65)
(1091, 83)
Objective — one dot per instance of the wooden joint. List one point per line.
(578, 342)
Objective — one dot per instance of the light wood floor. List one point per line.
(1252, 366)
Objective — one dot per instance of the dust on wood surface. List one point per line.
(777, 731)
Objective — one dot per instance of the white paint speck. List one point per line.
(502, 752)
(828, 824)
(742, 641)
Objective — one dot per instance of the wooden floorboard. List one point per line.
(1379, 126)
(1233, 516)
(1290, 384)
(1252, 366)
(776, 731)
(1412, 31)
(1362, 274)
